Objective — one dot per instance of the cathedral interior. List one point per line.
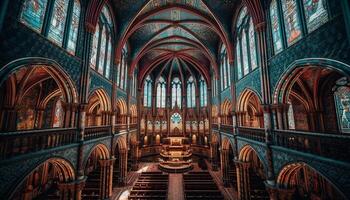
(174, 99)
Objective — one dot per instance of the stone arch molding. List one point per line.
(257, 149)
(63, 80)
(335, 65)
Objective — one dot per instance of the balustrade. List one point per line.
(257, 134)
(97, 132)
(327, 145)
(22, 142)
(227, 128)
(120, 127)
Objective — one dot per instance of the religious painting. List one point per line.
(176, 122)
(58, 115)
(342, 99)
(291, 21)
(315, 13)
(33, 13)
(58, 21)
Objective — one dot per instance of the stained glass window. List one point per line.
(102, 53)
(315, 13)
(102, 48)
(245, 54)
(94, 47)
(33, 13)
(147, 92)
(58, 21)
(161, 93)
(108, 59)
(291, 21)
(176, 93)
(224, 67)
(276, 27)
(238, 60)
(203, 92)
(122, 70)
(74, 28)
(191, 93)
(252, 46)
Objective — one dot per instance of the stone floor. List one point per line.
(175, 191)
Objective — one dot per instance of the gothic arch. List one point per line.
(308, 86)
(54, 69)
(64, 170)
(292, 174)
(27, 86)
(102, 152)
(249, 109)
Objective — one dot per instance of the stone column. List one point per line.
(243, 181)
(214, 153)
(134, 153)
(9, 118)
(123, 165)
(225, 167)
(106, 180)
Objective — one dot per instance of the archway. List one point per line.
(121, 115)
(99, 108)
(313, 98)
(228, 166)
(36, 96)
(226, 108)
(47, 181)
(300, 181)
(251, 175)
(98, 169)
(249, 110)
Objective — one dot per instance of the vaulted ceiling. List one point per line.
(189, 32)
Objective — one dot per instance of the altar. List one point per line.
(175, 155)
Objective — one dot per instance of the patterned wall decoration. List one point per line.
(97, 81)
(259, 148)
(252, 81)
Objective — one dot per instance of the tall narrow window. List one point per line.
(203, 92)
(122, 69)
(238, 60)
(224, 66)
(176, 93)
(252, 46)
(276, 27)
(101, 46)
(191, 93)
(342, 100)
(58, 21)
(94, 47)
(245, 54)
(315, 13)
(74, 28)
(161, 93)
(147, 92)
(102, 54)
(291, 21)
(33, 13)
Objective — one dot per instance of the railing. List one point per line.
(215, 126)
(257, 134)
(227, 128)
(97, 132)
(21, 142)
(120, 127)
(326, 145)
(133, 126)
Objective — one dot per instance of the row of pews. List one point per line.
(150, 185)
(200, 185)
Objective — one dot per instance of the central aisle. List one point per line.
(175, 188)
